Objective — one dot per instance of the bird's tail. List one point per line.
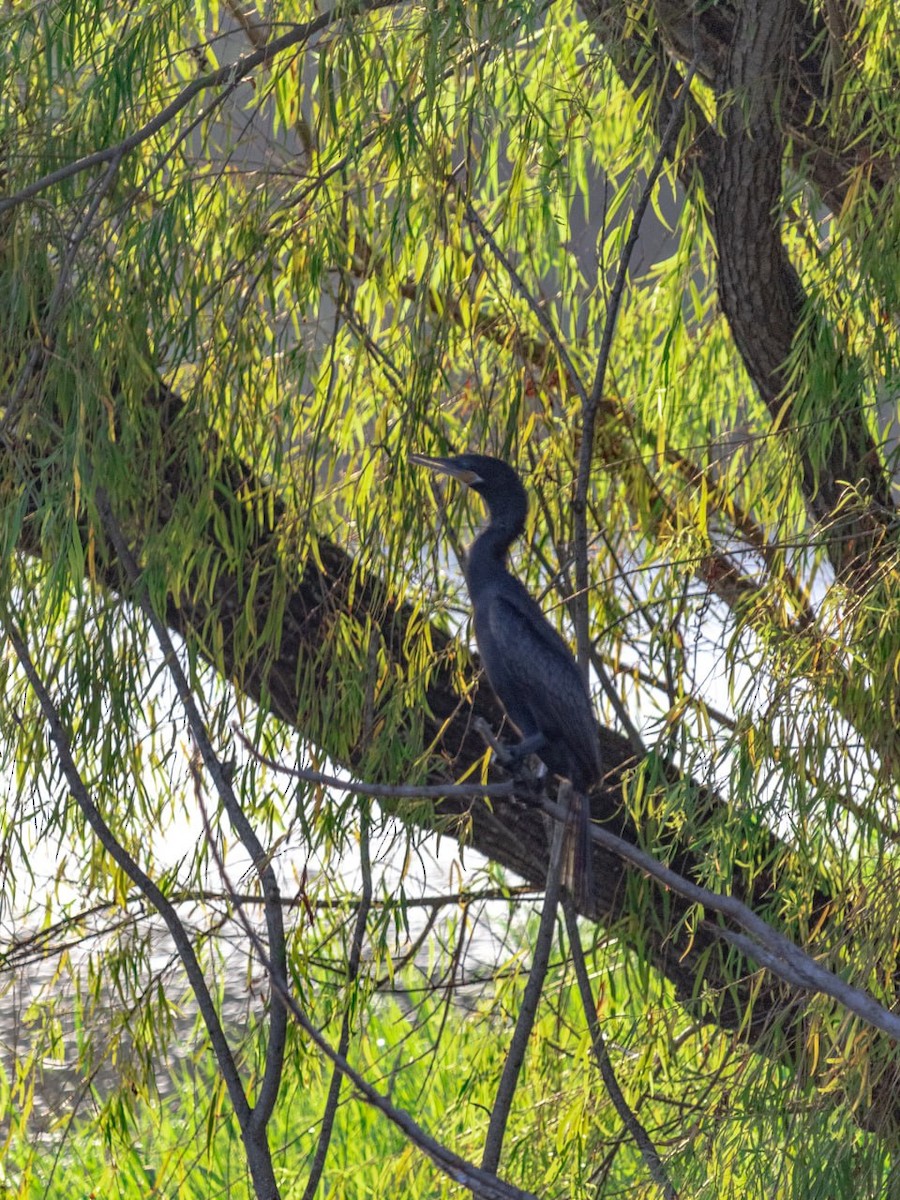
(577, 865)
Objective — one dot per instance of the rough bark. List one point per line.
(761, 293)
(758, 287)
(765, 61)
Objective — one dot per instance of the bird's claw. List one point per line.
(510, 759)
(505, 755)
(486, 734)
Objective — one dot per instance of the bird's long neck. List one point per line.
(487, 554)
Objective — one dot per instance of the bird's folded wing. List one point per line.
(538, 661)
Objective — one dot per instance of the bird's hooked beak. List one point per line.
(446, 466)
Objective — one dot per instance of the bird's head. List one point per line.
(494, 480)
(488, 476)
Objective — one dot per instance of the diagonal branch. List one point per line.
(509, 830)
(259, 1158)
(277, 953)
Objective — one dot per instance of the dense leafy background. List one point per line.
(401, 232)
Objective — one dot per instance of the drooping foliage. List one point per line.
(249, 260)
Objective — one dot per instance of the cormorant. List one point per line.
(529, 666)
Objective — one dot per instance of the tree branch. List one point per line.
(277, 953)
(641, 1137)
(760, 59)
(258, 1155)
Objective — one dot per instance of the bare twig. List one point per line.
(769, 947)
(782, 957)
(380, 791)
(641, 1138)
(39, 946)
(506, 1089)
(563, 587)
(591, 405)
(519, 284)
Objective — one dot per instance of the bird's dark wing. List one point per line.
(535, 676)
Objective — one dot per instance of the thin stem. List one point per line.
(592, 403)
(519, 284)
(353, 962)
(641, 1138)
(769, 947)
(562, 585)
(381, 791)
(356, 944)
(509, 1079)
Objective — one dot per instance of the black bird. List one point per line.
(528, 664)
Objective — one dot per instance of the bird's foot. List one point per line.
(486, 734)
(511, 759)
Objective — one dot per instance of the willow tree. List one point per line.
(648, 253)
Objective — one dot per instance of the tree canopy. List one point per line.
(250, 259)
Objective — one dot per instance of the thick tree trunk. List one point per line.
(765, 63)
